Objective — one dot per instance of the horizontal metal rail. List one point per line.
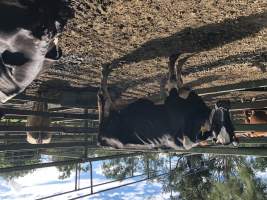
(199, 150)
(16, 129)
(123, 185)
(7, 111)
(147, 174)
(250, 127)
(40, 165)
(240, 151)
(74, 98)
(24, 97)
(68, 162)
(220, 90)
(220, 150)
(17, 146)
(63, 108)
(96, 185)
(255, 140)
(26, 146)
(248, 105)
(47, 129)
(21, 135)
(246, 85)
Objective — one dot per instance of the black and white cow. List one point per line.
(182, 120)
(28, 41)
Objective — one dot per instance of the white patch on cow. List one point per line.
(188, 144)
(223, 136)
(56, 39)
(31, 140)
(166, 141)
(141, 139)
(113, 142)
(153, 143)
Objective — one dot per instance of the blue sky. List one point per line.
(43, 182)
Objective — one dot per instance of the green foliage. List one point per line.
(259, 164)
(244, 186)
(18, 158)
(65, 171)
(120, 168)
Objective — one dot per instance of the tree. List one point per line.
(245, 186)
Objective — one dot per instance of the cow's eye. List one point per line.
(14, 58)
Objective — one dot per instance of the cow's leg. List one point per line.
(175, 75)
(173, 80)
(183, 91)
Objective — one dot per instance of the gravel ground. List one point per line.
(223, 42)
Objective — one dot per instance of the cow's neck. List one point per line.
(207, 124)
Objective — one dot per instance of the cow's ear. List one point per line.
(54, 53)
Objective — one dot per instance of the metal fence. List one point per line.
(75, 113)
(74, 124)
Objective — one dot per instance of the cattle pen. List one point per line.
(74, 126)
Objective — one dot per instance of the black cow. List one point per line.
(182, 120)
(28, 40)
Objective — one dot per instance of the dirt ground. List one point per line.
(222, 41)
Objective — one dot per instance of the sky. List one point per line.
(44, 182)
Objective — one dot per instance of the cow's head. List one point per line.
(221, 124)
(28, 29)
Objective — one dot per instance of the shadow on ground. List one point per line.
(194, 40)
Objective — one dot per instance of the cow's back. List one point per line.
(143, 121)
(138, 122)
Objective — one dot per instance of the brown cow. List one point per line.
(40, 137)
(256, 117)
